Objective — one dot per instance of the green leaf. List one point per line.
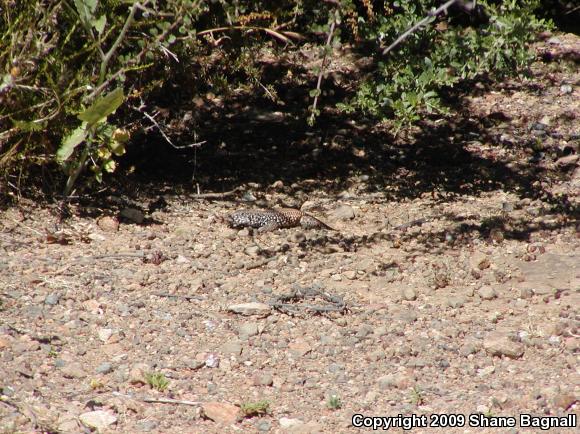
(86, 10)
(99, 24)
(70, 142)
(102, 107)
(28, 126)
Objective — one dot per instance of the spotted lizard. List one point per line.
(271, 219)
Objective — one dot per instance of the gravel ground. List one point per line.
(169, 321)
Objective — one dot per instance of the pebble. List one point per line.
(456, 301)
(221, 412)
(248, 330)
(98, 420)
(137, 373)
(104, 368)
(73, 370)
(263, 425)
(52, 299)
(499, 344)
(343, 212)
(263, 380)
(253, 308)
(232, 347)
(147, 425)
(409, 294)
(487, 293)
(286, 422)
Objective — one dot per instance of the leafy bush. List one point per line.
(77, 73)
(408, 80)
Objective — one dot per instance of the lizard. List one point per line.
(276, 218)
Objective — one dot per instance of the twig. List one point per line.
(183, 297)
(321, 72)
(216, 195)
(172, 401)
(412, 29)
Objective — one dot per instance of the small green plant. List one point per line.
(334, 402)
(52, 353)
(96, 384)
(258, 408)
(157, 380)
(417, 397)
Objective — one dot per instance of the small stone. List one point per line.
(299, 348)
(350, 274)
(263, 380)
(409, 294)
(566, 89)
(480, 261)
(104, 368)
(248, 330)
(105, 334)
(133, 214)
(287, 423)
(253, 308)
(212, 360)
(221, 412)
(343, 212)
(232, 347)
(263, 425)
(108, 223)
(467, 349)
(567, 161)
(52, 299)
(487, 293)
(252, 251)
(526, 293)
(499, 344)
(73, 370)
(138, 372)
(565, 400)
(456, 301)
(147, 425)
(98, 420)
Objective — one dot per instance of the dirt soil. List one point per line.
(461, 298)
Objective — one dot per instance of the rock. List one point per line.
(567, 161)
(286, 422)
(232, 347)
(263, 425)
(299, 348)
(98, 420)
(133, 214)
(137, 373)
(566, 89)
(253, 308)
(564, 400)
(343, 212)
(104, 368)
(108, 223)
(480, 261)
(105, 334)
(456, 301)
(467, 349)
(409, 294)
(349, 274)
(212, 360)
(248, 330)
(499, 344)
(263, 380)
(487, 293)
(252, 251)
(147, 425)
(52, 299)
(221, 412)
(73, 370)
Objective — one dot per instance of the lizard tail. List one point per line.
(309, 222)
